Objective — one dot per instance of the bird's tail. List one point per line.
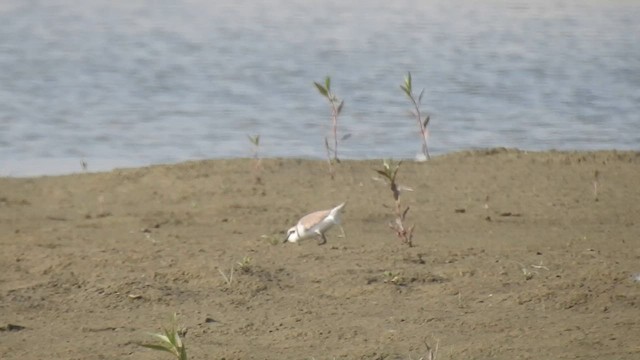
(336, 210)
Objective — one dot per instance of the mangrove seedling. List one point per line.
(336, 108)
(389, 172)
(422, 122)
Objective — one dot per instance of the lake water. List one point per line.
(133, 83)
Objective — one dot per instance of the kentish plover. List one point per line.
(315, 224)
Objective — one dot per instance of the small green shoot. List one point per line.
(169, 341)
(245, 265)
(389, 172)
(422, 122)
(391, 277)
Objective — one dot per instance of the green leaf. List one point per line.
(405, 90)
(255, 140)
(340, 107)
(426, 121)
(322, 90)
(407, 82)
(183, 352)
(157, 347)
(420, 97)
(327, 83)
(345, 137)
(384, 173)
(161, 337)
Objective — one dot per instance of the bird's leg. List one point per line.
(322, 240)
(342, 235)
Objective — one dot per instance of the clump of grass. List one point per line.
(246, 265)
(257, 160)
(336, 108)
(423, 122)
(389, 172)
(169, 341)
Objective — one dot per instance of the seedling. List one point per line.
(169, 341)
(336, 108)
(245, 265)
(391, 277)
(390, 171)
(257, 161)
(422, 122)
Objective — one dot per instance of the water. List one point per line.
(133, 83)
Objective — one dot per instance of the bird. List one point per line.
(315, 224)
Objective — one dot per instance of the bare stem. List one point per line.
(334, 118)
(332, 171)
(423, 132)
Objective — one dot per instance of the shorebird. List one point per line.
(315, 224)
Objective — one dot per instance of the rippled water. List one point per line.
(132, 83)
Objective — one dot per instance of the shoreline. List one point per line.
(73, 166)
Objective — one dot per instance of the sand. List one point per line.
(515, 256)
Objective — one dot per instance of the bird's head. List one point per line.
(292, 235)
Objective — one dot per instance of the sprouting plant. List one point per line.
(394, 278)
(169, 341)
(257, 161)
(336, 108)
(245, 265)
(422, 122)
(390, 171)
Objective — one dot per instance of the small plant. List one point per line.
(169, 341)
(422, 122)
(391, 277)
(390, 172)
(336, 108)
(257, 161)
(245, 265)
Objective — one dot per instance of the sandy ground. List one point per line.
(515, 257)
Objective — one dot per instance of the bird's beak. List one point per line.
(286, 239)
